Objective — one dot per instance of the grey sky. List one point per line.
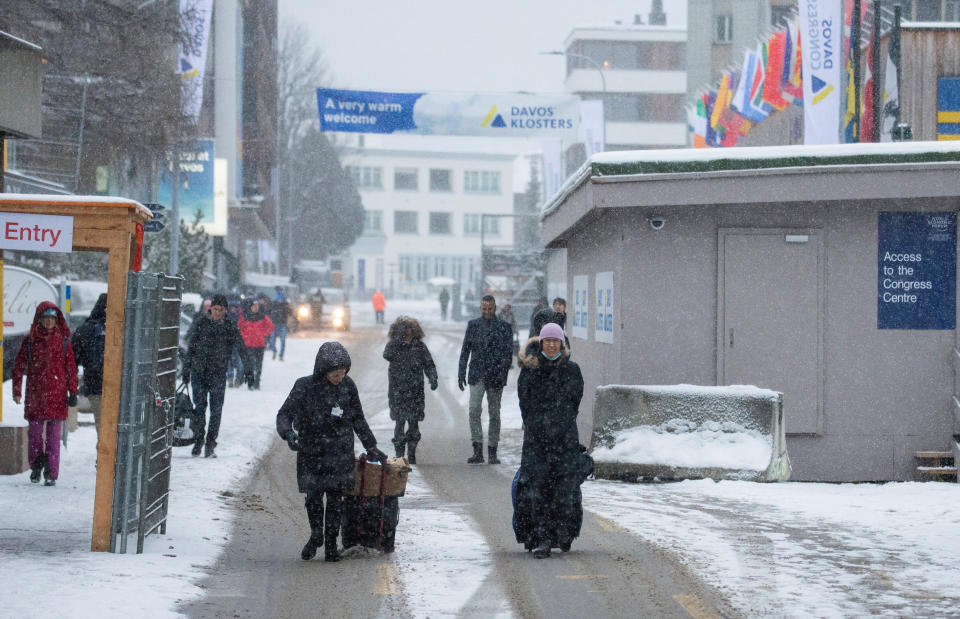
(450, 45)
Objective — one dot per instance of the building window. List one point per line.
(951, 11)
(372, 221)
(440, 266)
(481, 182)
(441, 180)
(440, 223)
(405, 222)
(406, 268)
(405, 179)
(641, 107)
(471, 223)
(422, 272)
(723, 32)
(491, 226)
(654, 55)
(456, 268)
(366, 177)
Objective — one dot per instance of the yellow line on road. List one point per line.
(386, 580)
(696, 607)
(608, 525)
(580, 576)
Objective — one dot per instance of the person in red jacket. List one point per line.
(255, 326)
(379, 304)
(46, 359)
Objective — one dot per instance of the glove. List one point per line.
(461, 383)
(71, 399)
(293, 440)
(433, 386)
(375, 455)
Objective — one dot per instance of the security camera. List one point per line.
(657, 223)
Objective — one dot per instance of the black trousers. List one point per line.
(327, 520)
(253, 365)
(205, 387)
(406, 432)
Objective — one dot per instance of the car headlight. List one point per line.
(303, 311)
(338, 313)
(337, 322)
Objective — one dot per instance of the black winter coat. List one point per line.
(210, 348)
(326, 416)
(409, 361)
(490, 357)
(550, 394)
(88, 343)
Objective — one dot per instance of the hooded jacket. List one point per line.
(255, 327)
(326, 416)
(46, 359)
(88, 344)
(210, 347)
(409, 361)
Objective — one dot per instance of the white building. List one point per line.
(425, 201)
(638, 73)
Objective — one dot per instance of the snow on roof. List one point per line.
(930, 25)
(37, 198)
(685, 160)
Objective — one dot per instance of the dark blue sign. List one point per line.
(916, 270)
(365, 111)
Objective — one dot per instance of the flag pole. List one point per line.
(895, 54)
(855, 35)
(875, 60)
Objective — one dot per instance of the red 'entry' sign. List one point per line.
(27, 232)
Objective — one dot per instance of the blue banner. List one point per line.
(364, 111)
(916, 270)
(196, 183)
(492, 115)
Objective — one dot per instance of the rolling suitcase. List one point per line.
(370, 521)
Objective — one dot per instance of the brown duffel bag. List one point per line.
(394, 481)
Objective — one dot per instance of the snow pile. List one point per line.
(682, 443)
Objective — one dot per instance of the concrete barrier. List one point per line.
(689, 432)
(13, 450)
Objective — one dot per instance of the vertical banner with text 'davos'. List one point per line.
(195, 16)
(822, 56)
(475, 114)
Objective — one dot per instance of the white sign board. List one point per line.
(603, 328)
(581, 305)
(27, 232)
(23, 291)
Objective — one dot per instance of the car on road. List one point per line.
(324, 308)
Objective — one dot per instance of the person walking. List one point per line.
(88, 345)
(46, 359)
(549, 388)
(560, 307)
(542, 304)
(444, 302)
(379, 305)
(279, 313)
(235, 372)
(208, 353)
(255, 326)
(318, 420)
(409, 361)
(488, 346)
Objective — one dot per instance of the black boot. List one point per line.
(412, 453)
(37, 467)
(399, 448)
(197, 447)
(492, 454)
(310, 548)
(477, 457)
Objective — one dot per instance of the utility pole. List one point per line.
(175, 213)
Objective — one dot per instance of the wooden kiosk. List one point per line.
(102, 224)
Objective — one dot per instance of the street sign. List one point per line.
(154, 225)
(154, 206)
(157, 216)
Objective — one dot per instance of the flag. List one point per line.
(741, 97)
(866, 101)
(712, 136)
(774, 71)
(821, 77)
(851, 130)
(794, 83)
(723, 100)
(192, 56)
(700, 124)
(788, 49)
(756, 89)
(734, 124)
(891, 84)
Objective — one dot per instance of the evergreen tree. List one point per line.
(194, 246)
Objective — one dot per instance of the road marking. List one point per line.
(580, 576)
(386, 580)
(608, 525)
(696, 607)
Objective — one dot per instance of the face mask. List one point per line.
(553, 358)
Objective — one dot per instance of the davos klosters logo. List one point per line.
(818, 46)
(527, 117)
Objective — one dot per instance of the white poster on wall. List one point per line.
(581, 305)
(604, 321)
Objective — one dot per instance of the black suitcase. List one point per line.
(183, 429)
(370, 521)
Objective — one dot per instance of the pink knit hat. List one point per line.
(551, 329)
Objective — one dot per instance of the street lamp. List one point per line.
(603, 82)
